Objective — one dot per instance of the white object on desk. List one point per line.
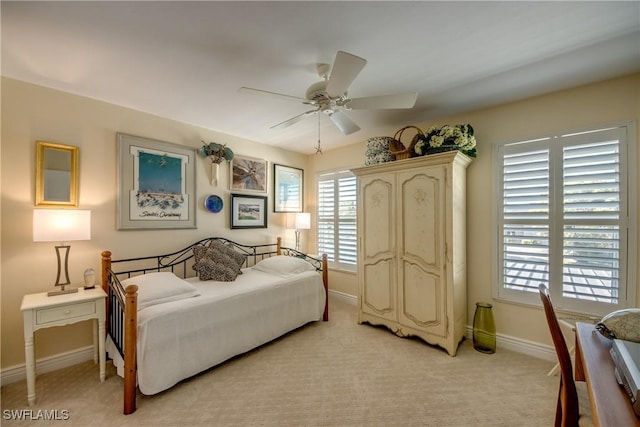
(41, 311)
(89, 278)
(626, 358)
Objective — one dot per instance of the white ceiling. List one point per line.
(187, 60)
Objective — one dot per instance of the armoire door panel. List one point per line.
(378, 292)
(422, 299)
(378, 217)
(422, 207)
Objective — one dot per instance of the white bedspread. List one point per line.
(179, 339)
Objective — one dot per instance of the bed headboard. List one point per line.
(181, 262)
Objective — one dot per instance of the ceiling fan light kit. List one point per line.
(330, 97)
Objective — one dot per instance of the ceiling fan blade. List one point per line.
(346, 68)
(293, 120)
(344, 123)
(273, 94)
(383, 102)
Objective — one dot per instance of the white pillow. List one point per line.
(282, 265)
(161, 287)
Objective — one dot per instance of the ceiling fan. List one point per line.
(330, 97)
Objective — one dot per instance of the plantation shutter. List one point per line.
(326, 207)
(591, 220)
(563, 220)
(337, 218)
(525, 235)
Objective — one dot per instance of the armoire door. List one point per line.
(378, 242)
(422, 284)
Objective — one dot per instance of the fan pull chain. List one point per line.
(318, 149)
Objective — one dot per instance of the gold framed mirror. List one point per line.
(56, 174)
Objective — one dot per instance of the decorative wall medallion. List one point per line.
(213, 203)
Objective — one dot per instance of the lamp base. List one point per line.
(62, 291)
(298, 240)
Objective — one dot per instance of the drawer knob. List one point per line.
(67, 312)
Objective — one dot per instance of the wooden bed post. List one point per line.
(279, 246)
(325, 281)
(130, 339)
(106, 266)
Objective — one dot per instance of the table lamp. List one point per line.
(61, 225)
(299, 221)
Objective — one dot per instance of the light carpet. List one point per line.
(335, 373)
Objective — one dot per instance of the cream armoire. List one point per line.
(411, 247)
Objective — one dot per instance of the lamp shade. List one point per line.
(61, 225)
(299, 221)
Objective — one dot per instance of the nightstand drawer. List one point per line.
(69, 311)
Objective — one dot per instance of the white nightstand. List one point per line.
(41, 311)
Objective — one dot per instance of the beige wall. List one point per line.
(603, 103)
(31, 113)
(337, 159)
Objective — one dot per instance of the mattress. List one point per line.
(179, 339)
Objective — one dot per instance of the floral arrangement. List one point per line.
(446, 138)
(217, 152)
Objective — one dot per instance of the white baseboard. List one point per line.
(17, 373)
(530, 348)
(349, 299)
(541, 351)
(63, 360)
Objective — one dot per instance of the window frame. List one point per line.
(336, 175)
(628, 230)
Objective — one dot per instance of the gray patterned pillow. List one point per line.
(217, 262)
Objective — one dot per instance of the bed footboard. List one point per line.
(122, 326)
(320, 264)
(122, 303)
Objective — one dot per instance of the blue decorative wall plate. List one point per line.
(213, 203)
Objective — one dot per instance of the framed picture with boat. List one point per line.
(248, 211)
(156, 187)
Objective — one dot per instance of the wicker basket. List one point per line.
(397, 147)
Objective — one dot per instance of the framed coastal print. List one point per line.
(248, 174)
(288, 187)
(156, 187)
(248, 211)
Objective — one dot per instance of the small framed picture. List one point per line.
(248, 174)
(288, 185)
(248, 211)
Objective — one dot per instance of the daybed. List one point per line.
(164, 324)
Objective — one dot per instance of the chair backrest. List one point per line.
(568, 396)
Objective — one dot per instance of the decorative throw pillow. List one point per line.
(622, 324)
(217, 262)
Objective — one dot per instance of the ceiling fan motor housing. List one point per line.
(317, 95)
(317, 92)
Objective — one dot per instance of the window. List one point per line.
(337, 218)
(563, 218)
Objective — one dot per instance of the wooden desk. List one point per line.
(610, 406)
